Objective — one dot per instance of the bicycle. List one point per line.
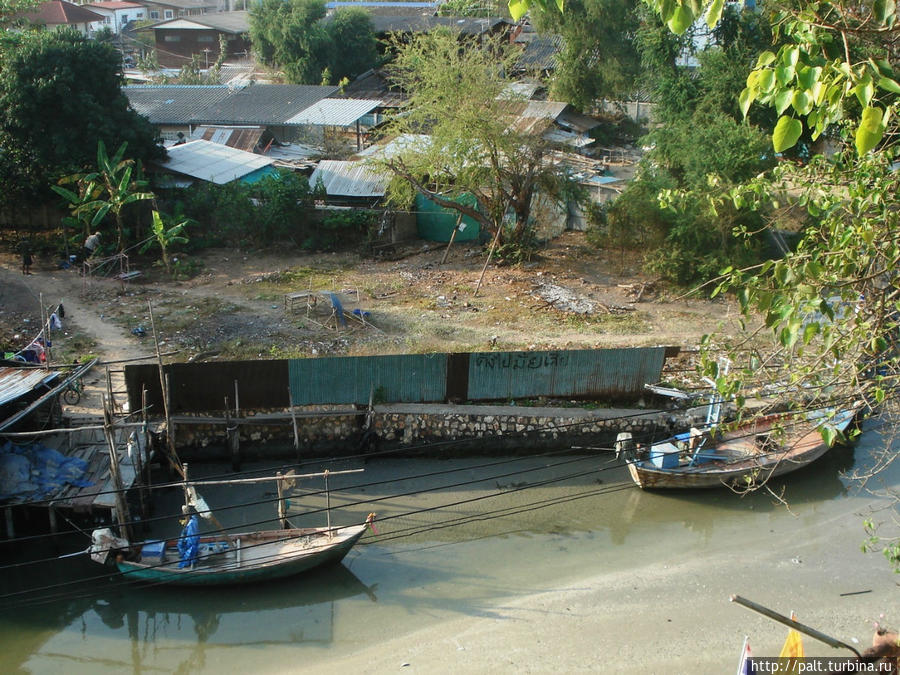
(72, 393)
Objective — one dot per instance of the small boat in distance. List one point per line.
(222, 558)
(739, 456)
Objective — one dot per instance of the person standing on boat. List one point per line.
(190, 538)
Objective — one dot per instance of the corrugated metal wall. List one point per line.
(580, 373)
(410, 378)
(436, 223)
(401, 378)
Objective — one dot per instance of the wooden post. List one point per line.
(109, 390)
(164, 385)
(487, 262)
(45, 333)
(282, 509)
(51, 513)
(121, 504)
(452, 237)
(10, 527)
(294, 420)
(327, 504)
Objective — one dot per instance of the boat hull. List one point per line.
(800, 450)
(269, 555)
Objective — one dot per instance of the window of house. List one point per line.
(172, 38)
(170, 14)
(204, 38)
(154, 13)
(124, 19)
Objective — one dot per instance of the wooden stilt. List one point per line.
(121, 504)
(452, 238)
(164, 388)
(294, 420)
(490, 255)
(10, 527)
(282, 507)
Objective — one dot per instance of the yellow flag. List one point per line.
(793, 648)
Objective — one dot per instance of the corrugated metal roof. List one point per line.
(16, 382)
(540, 53)
(373, 84)
(397, 145)
(533, 117)
(213, 162)
(335, 112)
(174, 103)
(58, 13)
(350, 179)
(242, 138)
(265, 104)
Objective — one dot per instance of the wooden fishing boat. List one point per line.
(740, 456)
(236, 559)
(221, 558)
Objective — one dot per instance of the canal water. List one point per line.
(455, 539)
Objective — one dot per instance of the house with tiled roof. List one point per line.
(116, 14)
(179, 39)
(60, 15)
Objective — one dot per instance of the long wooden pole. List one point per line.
(163, 383)
(121, 506)
(452, 238)
(489, 256)
(781, 618)
(266, 479)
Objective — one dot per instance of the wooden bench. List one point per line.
(128, 276)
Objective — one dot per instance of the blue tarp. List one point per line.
(35, 471)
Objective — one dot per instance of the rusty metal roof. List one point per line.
(16, 382)
(242, 138)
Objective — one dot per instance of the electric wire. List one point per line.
(387, 518)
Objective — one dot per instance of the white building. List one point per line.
(116, 14)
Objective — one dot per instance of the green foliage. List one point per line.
(474, 144)
(635, 219)
(108, 190)
(295, 37)
(52, 115)
(598, 58)
(166, 232)
(273, 211)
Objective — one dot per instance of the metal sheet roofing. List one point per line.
(17, 382)
(213, 162)
(397, 145)
(264, 104)
(335, 112)
(350, 179)
(174, 103)
(57, 13)
(242, 138)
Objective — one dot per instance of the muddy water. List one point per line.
(447, 546)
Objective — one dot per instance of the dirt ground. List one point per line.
(573, 296)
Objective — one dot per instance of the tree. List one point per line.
(296, 37)
(830, 306)
(166, 232)
(598, 59)
(109, 189)
(59, 94)
(477, 147)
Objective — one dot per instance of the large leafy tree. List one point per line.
(830, 306)
(478, 144)
(296, 37)
(59, 95)
(598, 59)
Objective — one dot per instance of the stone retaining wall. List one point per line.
(433, 431)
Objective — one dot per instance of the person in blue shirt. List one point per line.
(190, 538)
